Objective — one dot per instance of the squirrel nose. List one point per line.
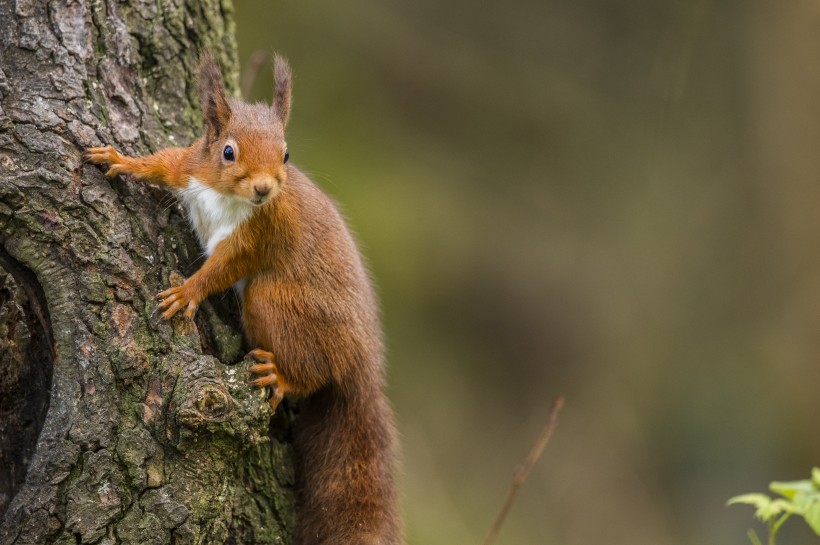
(261, 191)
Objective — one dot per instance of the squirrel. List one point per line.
(307, 303)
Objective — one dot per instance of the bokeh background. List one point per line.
(616, 200)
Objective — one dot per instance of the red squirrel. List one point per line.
(307, 302)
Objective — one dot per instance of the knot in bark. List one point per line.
(207, 401)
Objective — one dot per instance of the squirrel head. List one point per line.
(245, 149)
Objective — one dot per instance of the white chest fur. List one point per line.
(214, 216)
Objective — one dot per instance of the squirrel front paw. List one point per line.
(107, 156)
(178, 297)
(269, 376)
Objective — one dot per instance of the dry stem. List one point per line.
(523, 470)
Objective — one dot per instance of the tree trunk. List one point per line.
(117, 427)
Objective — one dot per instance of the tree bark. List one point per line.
(117, 427)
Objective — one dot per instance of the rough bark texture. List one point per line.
(148, 431)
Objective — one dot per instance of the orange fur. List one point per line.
(307, 304)
(164, 167)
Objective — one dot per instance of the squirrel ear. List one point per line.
(215, 106)
(282, 77)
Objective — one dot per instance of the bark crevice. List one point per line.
(26, 369)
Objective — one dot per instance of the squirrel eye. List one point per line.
(228, 154)
(287, 156)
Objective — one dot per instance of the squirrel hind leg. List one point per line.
(268, 375)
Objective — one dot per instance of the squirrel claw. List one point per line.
(269, 376)
(175, 299)
(107, 156)
(99, 156)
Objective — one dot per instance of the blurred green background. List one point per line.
(616, 200)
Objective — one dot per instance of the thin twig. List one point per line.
(251, 72)
(523, 470)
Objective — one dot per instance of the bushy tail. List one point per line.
(346, 451)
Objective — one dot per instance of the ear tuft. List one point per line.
(282, 95)
(215, 106)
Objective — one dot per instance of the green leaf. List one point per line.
(782, 506)
(767, 508)
(758, 500)
(809, 506)
(815, 476)
(789, 489)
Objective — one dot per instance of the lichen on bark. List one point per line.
(152, 433)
